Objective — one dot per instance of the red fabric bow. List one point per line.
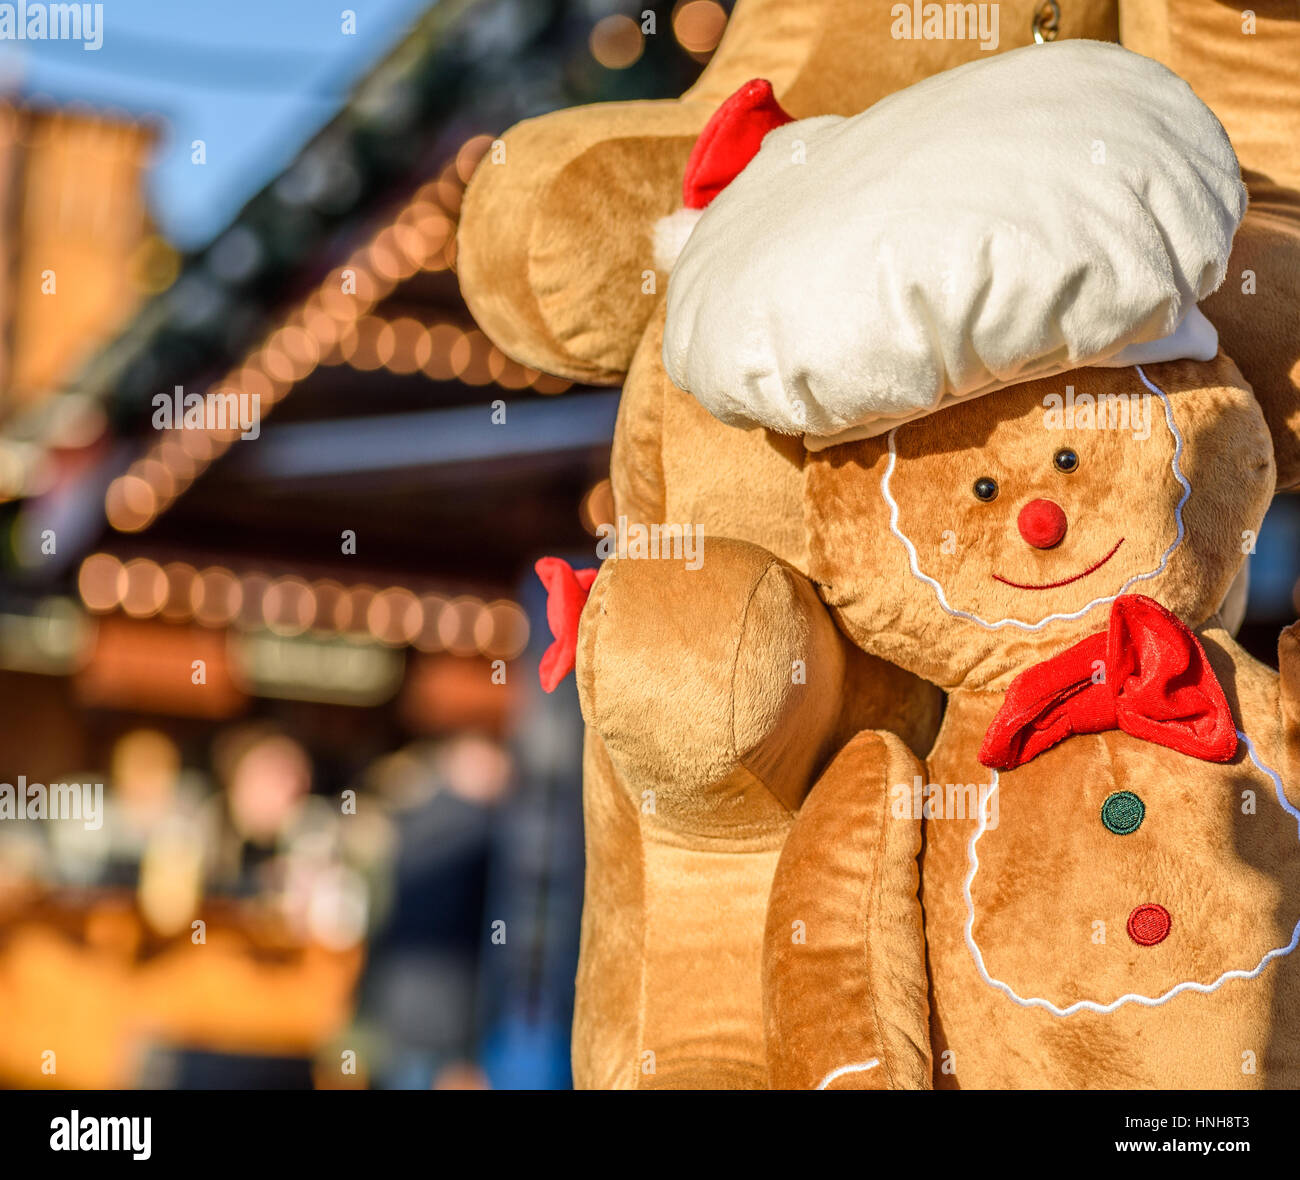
(566, 595)
(730, 139)
(1157, 685)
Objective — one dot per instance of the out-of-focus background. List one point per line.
(340, 839)
(340, 842)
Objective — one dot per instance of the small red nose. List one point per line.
(1042, 523)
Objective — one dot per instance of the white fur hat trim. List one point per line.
(670, 236)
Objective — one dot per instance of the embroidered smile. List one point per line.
(1092, 569)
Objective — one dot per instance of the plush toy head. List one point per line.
(980, 539)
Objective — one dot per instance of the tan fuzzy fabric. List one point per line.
(1257, 313)
(963, 543)
(844, 933)
(1029, 976)
(556, 233)
(718, 695)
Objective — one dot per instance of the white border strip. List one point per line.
(1131, 997)
(961, 614)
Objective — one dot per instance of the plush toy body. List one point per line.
(714, 696)
(1079, 982)
(1111, 869)
(1107, 909)
(1111, 912)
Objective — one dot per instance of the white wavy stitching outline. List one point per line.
(859, 1067)
(1083, 610)
(1131, 997)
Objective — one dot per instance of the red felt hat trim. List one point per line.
(730, 139)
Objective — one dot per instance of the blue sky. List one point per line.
(252, 78)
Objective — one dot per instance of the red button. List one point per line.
(1149, 924)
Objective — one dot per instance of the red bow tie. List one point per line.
(1155, 684)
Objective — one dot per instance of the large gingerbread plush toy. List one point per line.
(1032, 477)
(858, 312)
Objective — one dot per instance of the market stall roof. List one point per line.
(331, 300)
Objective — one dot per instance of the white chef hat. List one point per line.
(1056, 206)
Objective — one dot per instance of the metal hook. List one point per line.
(1047, 22)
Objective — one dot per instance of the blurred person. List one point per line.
(419, 992)
(148, 790)
(266, 778)
(316, 858)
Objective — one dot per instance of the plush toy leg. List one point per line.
(606, 1024)
(1288, 661)
(844, 975)
(712, 697)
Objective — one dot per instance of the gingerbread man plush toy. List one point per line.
(716, 697)
(1032, 477)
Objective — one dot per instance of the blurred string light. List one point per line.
(336, 325)
(290, 606)
(597, 507)
(616, 42)
(698, 26)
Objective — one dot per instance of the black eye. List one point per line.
(1066, 460)
(985, 489)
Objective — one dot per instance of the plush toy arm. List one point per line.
(717, 689)
(711, 696)
(844, 978)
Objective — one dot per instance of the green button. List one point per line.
(1123, 812)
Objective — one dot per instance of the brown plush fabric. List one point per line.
(668, 973)
(1244, 71)
(1247, 70)
(608, 1000)
(962, 542)
(674, 461)
(555, 263)
(1054, 885)
(1288, 656)
(554, 239)
(1257, 311)
(709, 742)
(732, 630)
(844, 932)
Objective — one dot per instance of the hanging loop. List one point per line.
(1047, 22)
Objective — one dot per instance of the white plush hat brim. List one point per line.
(1196, 339)
(1053, 207)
